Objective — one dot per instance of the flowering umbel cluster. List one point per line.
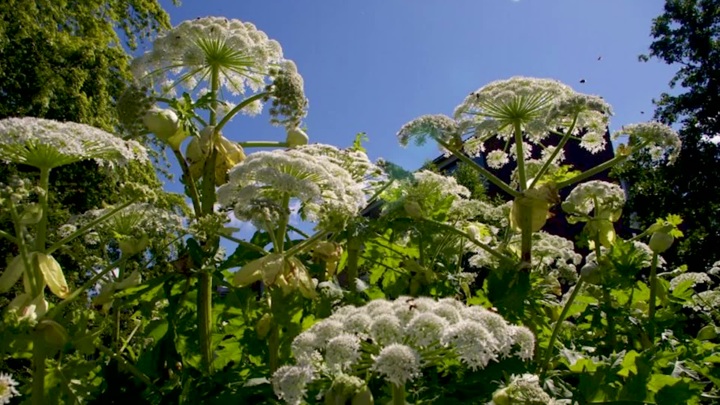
(395, 340)
(48, 144)
(260, 187)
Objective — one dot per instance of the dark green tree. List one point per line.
(687, 35)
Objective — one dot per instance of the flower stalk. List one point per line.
(398, 394)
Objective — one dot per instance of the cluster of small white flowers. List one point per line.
(706, 301)
(185, 55)
(7, 388)
(289, 383)
(496, 159)
(527, 150)
(355, 162)
(408, 333)
(593, 142)
(327, 193)
(523, 389)
(582, 199)
(436, 126)
(555, 253)
(661, 140)
(45, 143)
(695, 278)
(445, 185)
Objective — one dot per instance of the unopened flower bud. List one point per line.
(54, 334)
(161, 122)
(296, 137)
(53, 274)
(660, 242)
(263, 326)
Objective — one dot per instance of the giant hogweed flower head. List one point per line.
(186, 54)
(328, 194)
(600, 196)
(661, 141)
(397, 339)
(48, 144)
(436, 126)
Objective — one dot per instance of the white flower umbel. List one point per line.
(289, 383)
(342, 352)
(693, 278)
(398, 363)
(186, 55)
(661, 140)
(257, 188)
(472, 342)
(7, 388)
(48, 144)
(582, 200)
(434, 126)
(498, 106)
(497, 159)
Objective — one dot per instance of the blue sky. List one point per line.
(370, 66)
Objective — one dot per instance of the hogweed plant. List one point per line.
(46, 145)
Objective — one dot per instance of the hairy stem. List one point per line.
(556, 152)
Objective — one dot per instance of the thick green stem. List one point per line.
(41, 229)
(558, 324)
(274, 348)
(484, 172)
(653, 294)
(398, 394)
(204, 296)
(520, 157)
(606, 292)
(38, 383)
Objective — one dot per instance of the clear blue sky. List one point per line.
(373, 65)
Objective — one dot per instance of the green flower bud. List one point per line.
(161, 122)
(296, 137)
(132, 246)
(364, 397)
(413, 209)
(660, 242)
(501, 397)
(54, 334)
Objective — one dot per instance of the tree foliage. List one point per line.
(687, 34)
